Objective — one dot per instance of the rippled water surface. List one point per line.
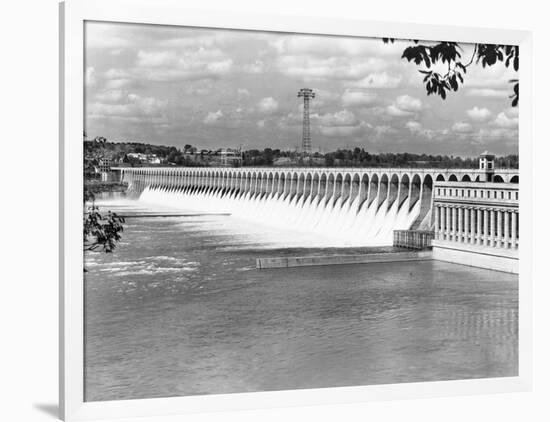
(179, 309)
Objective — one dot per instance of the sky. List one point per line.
(215, 88)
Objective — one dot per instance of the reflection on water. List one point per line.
(179, 309)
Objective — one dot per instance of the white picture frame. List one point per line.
(73, 14)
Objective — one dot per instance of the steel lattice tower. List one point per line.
(307, 93)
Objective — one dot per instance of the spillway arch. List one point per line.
(363, 186)
(350, 202)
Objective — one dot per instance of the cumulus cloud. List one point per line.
(268, 105)
(408, 103)
(340, 130)
(333, 46)
(213, 117)
(413, 126)
(358, 98)
(404, 106)
(504, 121)
(395, 111)
(357, 80)
(379, 80)
(462, 127)
(340, 118)
(312, 68)
(340, 123)
(487, 93)
(171, 65)
(104, 36)
(112, 96)
(479, 114)
(258, 66)
(90, 77)
(495, 76)
(243, 92)
(123, 104)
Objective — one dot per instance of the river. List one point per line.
(180, 309)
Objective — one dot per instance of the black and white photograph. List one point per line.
(268, 211)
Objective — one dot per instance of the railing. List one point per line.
(413, 239)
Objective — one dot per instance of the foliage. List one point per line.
(118, 152)
(101, 232)
(449, 54)
(358, 157)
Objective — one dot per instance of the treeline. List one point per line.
(117, 151)
(190, 156)
(358, 157)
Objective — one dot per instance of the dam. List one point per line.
(360, 206)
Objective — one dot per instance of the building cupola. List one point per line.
(486, 166)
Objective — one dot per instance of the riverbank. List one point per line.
(97, 187)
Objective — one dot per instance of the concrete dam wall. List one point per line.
(360, 206)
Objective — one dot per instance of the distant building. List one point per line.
(144, 158)
(104, 169)
(230, 158)
(487, 164)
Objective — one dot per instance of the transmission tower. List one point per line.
(307, 93)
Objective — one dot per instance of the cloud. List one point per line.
(404, 106)
(462, 127)
(408, 103)
(395, 111)
(479, 114)
(504, 121)
(99, 35)
(313, 68)
(382, 130)
(413, 126)
(358, 98)
(340, 123)
(379, 80)
(243, 92)
(213, 117)
(487, 93)
(112, 96)
(340, 130)
(339, 118)
(156, 58)
(255, 77)
(268, 105)
(123, 104)
(171, 65)
(495, 76)
(334, 46)
(257, 66)
(90, 77)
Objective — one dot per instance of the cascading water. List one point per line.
(348, 221)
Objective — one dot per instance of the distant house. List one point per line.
(153, 159)
(144, 158)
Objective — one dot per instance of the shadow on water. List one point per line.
(48, 408)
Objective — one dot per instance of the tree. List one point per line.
(449, 54)
(101, 232)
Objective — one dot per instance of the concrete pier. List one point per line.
(308, 261)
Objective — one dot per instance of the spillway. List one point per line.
(355, 208)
